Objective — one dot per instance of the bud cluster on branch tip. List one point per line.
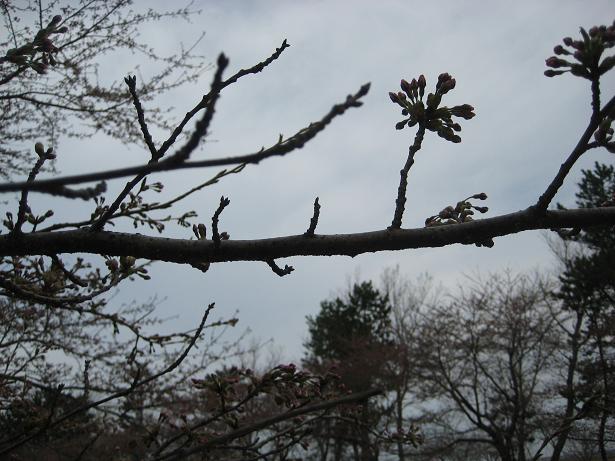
(427, 113)
(584, 54)
(48, 154)
(460, 213)
(26, 55)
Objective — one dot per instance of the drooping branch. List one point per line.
(190, 251)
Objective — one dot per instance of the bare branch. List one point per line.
(278, 270)
(122, 393)
(582, 146)
(189, 251)
(297, 141)
(314, 220)
(224, 202)
(400, 202)
(131, 82)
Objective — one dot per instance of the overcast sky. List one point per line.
(525, 126)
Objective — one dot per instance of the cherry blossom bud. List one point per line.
(39, 149)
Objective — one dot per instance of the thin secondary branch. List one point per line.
(188, 251)
(582, 146)
(23, 202)
(224, 202)
(266, 422)
(314, 220)
(182, 154)
(206, 98)
(131, 82)
(297, 141)
(400, 202)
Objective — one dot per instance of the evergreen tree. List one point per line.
(588, 288)
(352, 334)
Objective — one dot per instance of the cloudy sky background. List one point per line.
(525, 126)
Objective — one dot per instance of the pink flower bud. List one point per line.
(406, 87)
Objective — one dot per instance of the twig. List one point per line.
(85, 193)
(214, 221)
(266, 422)
(23, 202)
(582, 146)
(297, 141)
(136, 383)
(400, 202)
(148, 207)
(205, 100)
(131, 82)
(278, 270)
(314, 220)
(202, 125)
(179, 157)
(72, 277)
(8, 15)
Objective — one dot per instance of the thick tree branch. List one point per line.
(191, 251)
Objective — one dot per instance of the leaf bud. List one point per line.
(112, 264)
(559, 49)
(422, 82)
(39, 149)
(400, 125)
(406, 87)
(202, 231)
(555, 62)
(481, 196)
(553, 73)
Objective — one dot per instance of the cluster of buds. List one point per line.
(586, 53)
(126, 266)
(42, 43)
(43, 153)
(427, 113)
(460, 213)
